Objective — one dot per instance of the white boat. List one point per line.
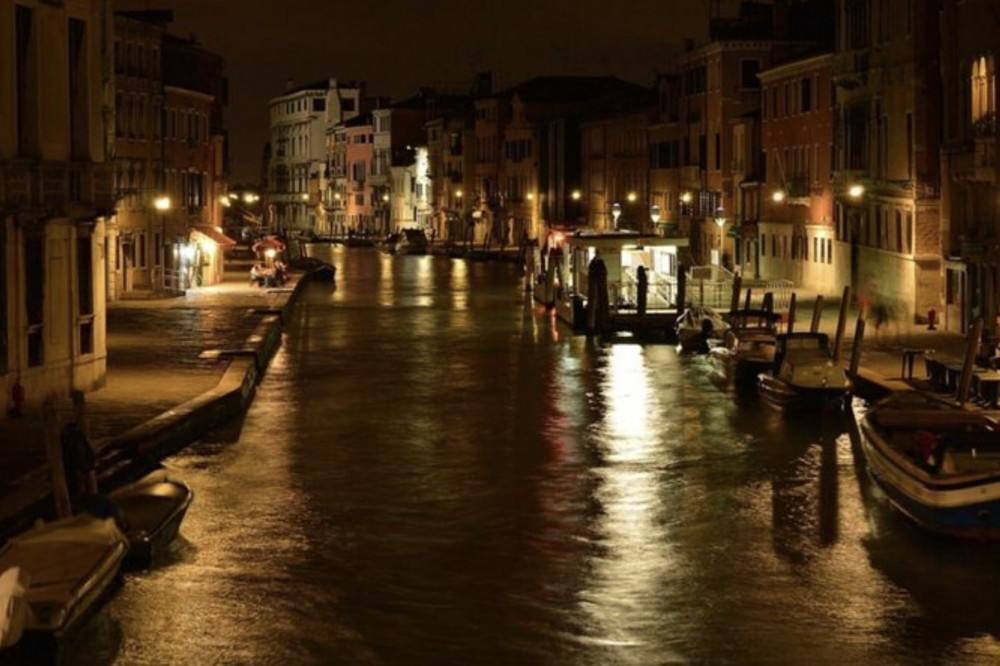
(697, 322)
(748, 347)
(68, 565)
(804, 376)
(939, 464)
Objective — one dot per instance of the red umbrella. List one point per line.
(268, 243)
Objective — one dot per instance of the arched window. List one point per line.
(983, 89)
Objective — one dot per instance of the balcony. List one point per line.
(57, 186)
(974, 161)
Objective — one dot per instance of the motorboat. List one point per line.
(411, 241)
(65, 566)
(938, 463)
(804, 375)
(151, 511)
(748, 346)
(696, 325)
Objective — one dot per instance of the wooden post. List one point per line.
(768, 303)
(971, 351)
(841, 324)
(734, 303)
(681, 288)
(57, 468)
(859, 336)
(791, 314)
(817, 314)
(746, 304)
(80, 414)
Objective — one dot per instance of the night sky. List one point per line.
(398, 45)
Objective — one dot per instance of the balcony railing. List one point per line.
(41, 184)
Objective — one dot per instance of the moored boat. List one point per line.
(748, 347)
(388, 243)
(698, 323)
(939, 464)
(411, 241)
(804, 376)
(68, 565)
(152, 510)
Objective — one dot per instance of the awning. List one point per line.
(214, 234)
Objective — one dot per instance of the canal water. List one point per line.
(435, 472)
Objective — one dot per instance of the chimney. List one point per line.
(289, 84)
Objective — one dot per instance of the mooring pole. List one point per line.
(57, 467)
(817, 313)
(841, 324)
(971, 351)
(859, 336)
(791, 314)
(734, 302)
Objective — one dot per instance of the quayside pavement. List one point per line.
(160, 359)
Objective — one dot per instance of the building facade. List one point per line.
(56, 195)
(886, 181)
(795, 221)
(969, 187)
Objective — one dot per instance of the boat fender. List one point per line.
(14, 584)
(931, 450)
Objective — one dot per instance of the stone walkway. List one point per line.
(154, 363)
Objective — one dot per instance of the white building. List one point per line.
(297, 174)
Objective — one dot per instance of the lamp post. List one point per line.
(654, 217)
(720, 219)
(616, 212)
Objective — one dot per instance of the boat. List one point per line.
(388, 243)
(315, 269)
(151, 511)
(804, 376)
(938, 463)
(696, 324)
(67, 566)
(748, 347)
(411, 241)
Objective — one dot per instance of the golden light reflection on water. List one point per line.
(637, 553)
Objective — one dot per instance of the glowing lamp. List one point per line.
(161, 203)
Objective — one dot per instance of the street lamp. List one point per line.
(856, 190)
(616, 212)
(720, 219)
(778, 196)
(162, 204)
(654, 215)
(575, 195)
(632, 196)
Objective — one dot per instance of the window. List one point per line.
(983, 91)
(748, 74)
(319, 104)
(85, 286)
(26, 82)
(805, 91)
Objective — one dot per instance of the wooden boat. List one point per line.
(152, 510)
(67, 566)
(388, 243)
(748, 347)
(804, 376)
(939, 464)
(695, 323)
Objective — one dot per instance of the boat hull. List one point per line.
(71, 564)
(953, 508)
(153, 509)
(790, 397)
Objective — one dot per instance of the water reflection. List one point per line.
(435, 473)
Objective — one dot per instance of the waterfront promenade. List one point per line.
(161, 358)
(166, 384)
